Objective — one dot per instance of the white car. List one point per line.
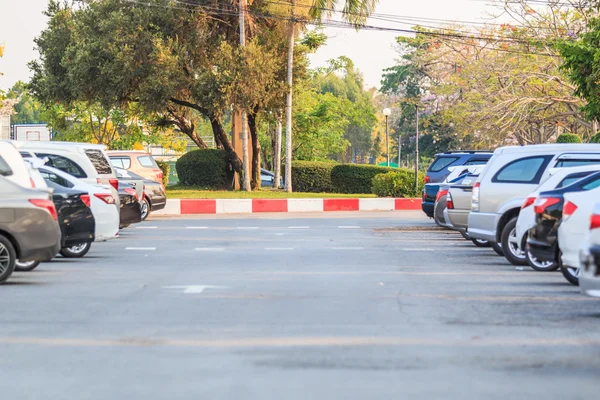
(23, 174)
(559, 177)
(573, 232)
(589, 275)
(102, 202)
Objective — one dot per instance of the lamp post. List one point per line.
(387, 112)
(417, 152)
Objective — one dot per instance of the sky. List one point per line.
(372, 51)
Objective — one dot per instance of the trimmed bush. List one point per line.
(355, 178)
(399, 183)
(312, 177)
(595, 138)
(165, 167)
(206, 168)
(568, 138)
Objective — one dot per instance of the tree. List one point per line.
(27, 109)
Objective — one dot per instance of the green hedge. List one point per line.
(399, 183)
(355, 178)
(205, 168)
(595, 138)
(165, 167)
(312, 177)
(568, 138)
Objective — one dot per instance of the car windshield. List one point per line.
(4, 168)
(441, 163)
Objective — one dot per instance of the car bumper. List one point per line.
(107, 225)
(589, 278)
(40, 244)
(483, 225)
(40, 254)
(459, 218)
(542, 250)
(428, 208)
(130, 214)
(571, 244)
(525, 222)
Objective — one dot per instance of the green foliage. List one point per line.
(568, 138)
(165, 167)
(400, 183)
(28, 109)
(206, 168)
(595, 138)
(312, 176)
(355, 178)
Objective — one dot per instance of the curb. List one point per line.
(251, 206)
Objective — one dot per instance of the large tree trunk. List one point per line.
(221, 137)
(277, 153)
(255, 182)
(288, 105)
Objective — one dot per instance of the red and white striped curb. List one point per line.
(247, 206)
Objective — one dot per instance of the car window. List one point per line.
(25, 154)
(52, 177)
(116, 162)
(576, 163)
(572, 178)
(4, 168)
(524, 170)
(100, 162)
(64, 164)
(475, 161)
(592, 185)
(441, 163)
(148, 162)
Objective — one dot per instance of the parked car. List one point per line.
(559, 178)
(84, 161)
(550, 207)
(153, 194)
(138, 162)
(439, 168)
(573, 232)
(77, 223)
(102, 202)
(589, 275)
(510, 175)
(22, 173)
(267, 179)
(29, 230)
(131, 210)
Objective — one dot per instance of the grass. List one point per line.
(183, 192)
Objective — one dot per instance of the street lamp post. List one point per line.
(417, 153)
(387, 112)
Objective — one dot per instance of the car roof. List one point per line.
(464, 152)
(541, 148)
(571, 170)
(60, 145)
(119, 152)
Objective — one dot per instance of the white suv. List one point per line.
(511, 174)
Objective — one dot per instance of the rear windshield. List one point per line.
(4, 168)
(441, 163)
(570, 179)
(148, 162)
(100, 162)
(476, 161)
(64, 164)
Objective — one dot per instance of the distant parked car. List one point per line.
(267, 179)
(154, 197)
(29, 230)
(131, 210)
(76, 220)
(439, 168)
(138, 162)
(589, 276)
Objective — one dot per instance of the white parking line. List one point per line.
(247, 227)
(196, 227)
(140, 248)
(347, 248)
(298, 227)
(146, 227)
(279, 248)
(349, 227)
(210, 249)
(420, 249)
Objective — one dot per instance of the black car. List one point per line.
(154, 194)
(542, 240)
(77, 223)
(439, 168)
(131, 210)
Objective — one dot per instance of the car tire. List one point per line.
(540, 266)
(26, 266)
(146, 209)
(76, 251)
(8, 258)
(510, 246)
(465, 235)
(481, 243)
(497, 248)
(571, 274)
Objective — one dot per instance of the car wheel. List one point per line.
(571, 274)
(510, 244)
(481, 243)
(497, 248)
(8, 258)
(26, 266)
(77, 251)
(465, 235)
(145, 209)
(542, 266)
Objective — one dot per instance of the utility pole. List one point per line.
(245, 159)
(288, 105)
(387, 112)
(399, 151)
(277, 155)
(417, 153)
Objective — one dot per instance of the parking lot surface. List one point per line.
(336, 306)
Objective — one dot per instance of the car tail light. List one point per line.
(528, 201)
(427, 179)
(449, 202)
(47, 204)
(540, 205)
(105, 197)
(32, 182)
(132, 192)
(86, 199)
(114, 182)
(595, 221)
(475, 197)
(440, 194)
(568, 209)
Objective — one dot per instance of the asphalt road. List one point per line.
(336, 306)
